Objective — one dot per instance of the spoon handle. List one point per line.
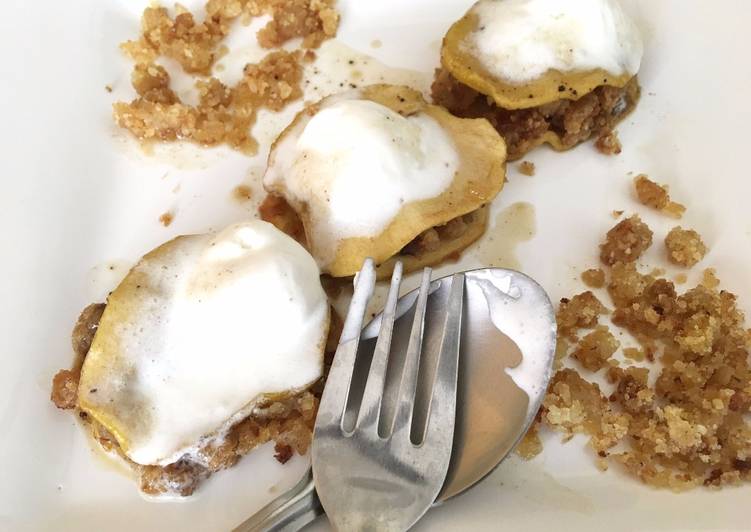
(289, 512)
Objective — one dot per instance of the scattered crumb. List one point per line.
(656, 196)
(634, 353)
(608, 143)
(681, 278)
(527, 168)
(685, 246)
(595, 349)
(656, 272)
(690, 428)
(616, 214)
(197, 45)
(376, 43)
(166, 219)
(530, 445)
(709, 279)
(626, 241)
(108, 88)
(594, 277)
(242, 193)
(224, 114)
(309, 56)
(580, 312)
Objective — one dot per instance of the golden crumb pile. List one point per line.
(580, 312)
(595, 349)
(527, 168)
(687, 425)
(626, 241)
(195, 45)
(166, 219)
(224, 114)
(685, 246)
(608, 144)
(656, 196)
(594, 277)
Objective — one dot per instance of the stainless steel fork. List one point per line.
(379, 460)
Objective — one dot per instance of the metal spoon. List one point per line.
(508, 346)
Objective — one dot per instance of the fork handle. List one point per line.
(289, 512)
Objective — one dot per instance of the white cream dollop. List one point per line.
(519, 40)
(355, 163)
(224, 318)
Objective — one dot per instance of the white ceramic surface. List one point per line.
(79, 196)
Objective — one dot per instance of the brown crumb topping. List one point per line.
(608, 143)
(224, 114)
(656, 196)
(595, 349)
(626, 241)
(580, 312)
(685, 246)
(196, 45)
(527, 168)
(709, 279)
(690, 427)
(166, 219)
(572, 121)
(594, 277)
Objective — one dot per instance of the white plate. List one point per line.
(79, 196)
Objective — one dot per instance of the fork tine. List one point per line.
(370, 405)
(408, 386)
(336, 391)
(442, 409)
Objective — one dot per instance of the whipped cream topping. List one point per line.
(217, 320)
(355, 163)
(519, 40)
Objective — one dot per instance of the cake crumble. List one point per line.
(608, 143)
(656, 196)
(594, 277)
(686, 427)
(685, 247)
(626, 241)
(224, 115)
(527, 168)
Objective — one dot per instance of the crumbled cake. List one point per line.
(580, 312)
(656, 196)
(626, 241)
(608, 143)
(527, 168)
(572, 121)
(690, 427)
(594, 277)
(288, 421)
(709, 279)
(594, 350)
(195, 45)
(685, 246)
(166, 218)
(224, 114)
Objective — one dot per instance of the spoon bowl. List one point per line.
(505, 364)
